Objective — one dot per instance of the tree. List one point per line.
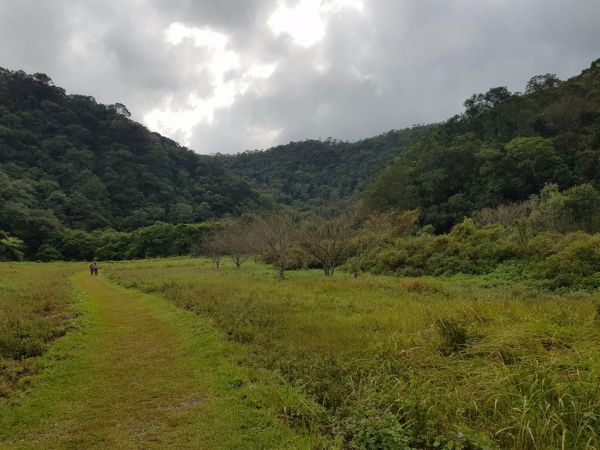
(48, 253)
(236, 242)
(121, 109)
(582, 204)
(277, 235)
(537, 160)
(374, 230)
(540, 83)
(515, 215)
(11, 248)
(402, 224)
(212, 247)
(327, 240)
(86, 165)
(548, 210)
(478, 104)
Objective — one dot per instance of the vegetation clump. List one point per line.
(33, 311)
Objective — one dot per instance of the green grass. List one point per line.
(429, 363)
(34, 310)
(237, 359)
(137, 372)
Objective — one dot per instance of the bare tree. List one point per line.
(515, 215)
(275, 236)
(327, 240)
(403, 223)
(235, 242)
(212, 247)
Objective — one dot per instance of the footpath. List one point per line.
(139, 373)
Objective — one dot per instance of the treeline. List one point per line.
(157, 240)
(323, 239)
(505, 147)
(551, 241)
(303, 174)
(67, 161)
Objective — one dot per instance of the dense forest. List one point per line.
(302, 174)
(79, 179)
(503, 148)
(68, 162)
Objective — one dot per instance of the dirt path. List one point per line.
(142, 374)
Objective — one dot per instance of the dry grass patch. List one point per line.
(34, 302)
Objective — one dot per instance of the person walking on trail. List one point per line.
(91, 268)
(96, 268)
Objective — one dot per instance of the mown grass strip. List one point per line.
(142, 374)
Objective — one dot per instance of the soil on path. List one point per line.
(142, 374)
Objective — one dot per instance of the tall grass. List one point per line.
(397, 363)
(33, 311)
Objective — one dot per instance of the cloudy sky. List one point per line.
(231, 75)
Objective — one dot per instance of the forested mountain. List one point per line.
(504, 147)
(301, 174)
(67, 161)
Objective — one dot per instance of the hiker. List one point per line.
(96, 268)
(91, 268)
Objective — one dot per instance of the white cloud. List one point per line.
(228, 75)
(306, 22)
(231, 75)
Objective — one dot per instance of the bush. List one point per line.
(467, 249)
(376, 433)
(575, 263)
(420, 286)
(454, 336)
(556, 261)
(48, 253)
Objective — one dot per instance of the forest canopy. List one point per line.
(69, 165)
(67, 161)
(504, 147)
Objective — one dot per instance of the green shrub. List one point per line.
(555, 261)
(454, 336)
(576, 262)
(467, 249)
(48, 253)
(375, 433)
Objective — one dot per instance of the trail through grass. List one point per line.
(142, 374)
(428, 363)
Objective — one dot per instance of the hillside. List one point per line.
(503, 148)
(67, 161)
(300, 174)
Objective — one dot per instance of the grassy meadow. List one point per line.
(372, 362)
(133, 371)
(34, 310)
(463, 362)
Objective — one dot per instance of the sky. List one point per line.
(233, 75)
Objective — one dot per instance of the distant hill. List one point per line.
(301, 174)
(67, 161)
(503, 148)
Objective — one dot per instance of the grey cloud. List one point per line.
(419, 61)
(394, 64)
(28, 40)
